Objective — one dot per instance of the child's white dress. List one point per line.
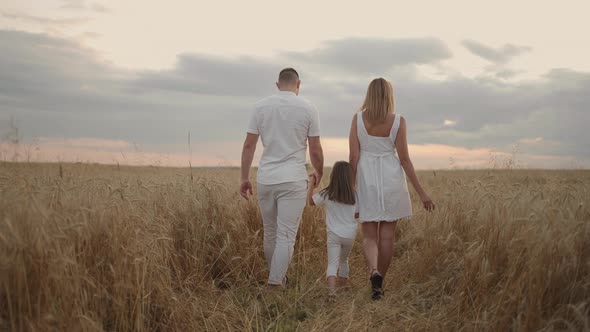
(381, 181)
(341, 229)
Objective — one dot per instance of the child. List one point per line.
(339, 199)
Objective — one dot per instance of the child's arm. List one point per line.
(310, 190)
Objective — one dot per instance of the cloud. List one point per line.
(531, 140)
(371, 55)
(73, 4)
(202, 74)
(61, 90)
(46, 21)
(198, 73)
(506, 73)
(570, 77)
(90, 35)
(499, 56)
(82, 5)
(449, 123)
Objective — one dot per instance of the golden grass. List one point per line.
(86, 247)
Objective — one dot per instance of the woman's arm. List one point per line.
(354, 148)
(401, 145)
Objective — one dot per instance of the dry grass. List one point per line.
(85, 247)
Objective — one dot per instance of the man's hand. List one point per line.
(316, 156)
(316, 178)
(246, 189)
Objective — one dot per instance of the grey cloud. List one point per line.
(373, 56)
(83, 5)
(498, 115)
(196, 73)
(73, 4)
(571, 77)
(500, 55)
(506, 73)
(55, 88)
(501, 71)
(40, 64)
(199, 74)
(90, 35)
(57, 22)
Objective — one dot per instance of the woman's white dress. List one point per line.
(381, 181)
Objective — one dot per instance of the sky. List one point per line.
(152, 83)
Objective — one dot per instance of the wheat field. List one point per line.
(105, 248)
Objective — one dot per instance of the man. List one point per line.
(286, 123)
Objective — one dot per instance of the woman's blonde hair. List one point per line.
(379, 100)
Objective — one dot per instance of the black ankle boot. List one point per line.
(376, 286)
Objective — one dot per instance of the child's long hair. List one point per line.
(341, 187)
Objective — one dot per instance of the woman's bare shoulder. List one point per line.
(402, 120)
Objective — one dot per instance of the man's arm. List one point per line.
(316, 155)
(310, 190)
(247, 156)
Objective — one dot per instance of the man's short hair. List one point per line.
(288, 76)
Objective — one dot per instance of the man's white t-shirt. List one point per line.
(339, 216)
(284, 122)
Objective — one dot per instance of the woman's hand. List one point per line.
(427, 202)
(246, 188)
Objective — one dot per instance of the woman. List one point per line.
(375, 135)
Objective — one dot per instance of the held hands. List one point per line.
(315, 178)
(246, 189)
(427, 202)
